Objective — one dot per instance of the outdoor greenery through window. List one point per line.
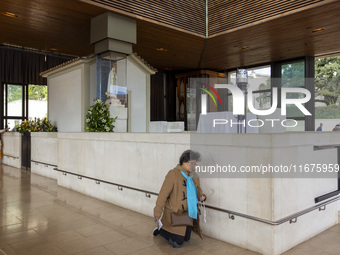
(293, 75)
(23, 102)
(35, 92)
(327, 92)
(14, 100)
(37, 101)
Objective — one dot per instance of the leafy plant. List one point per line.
(37, 92)
(98, 118)
(36, 125)
(327, 112)
(327, 80)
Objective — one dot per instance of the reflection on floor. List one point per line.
(38, 217)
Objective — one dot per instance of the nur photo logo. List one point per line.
(243, 101)
(239, 100)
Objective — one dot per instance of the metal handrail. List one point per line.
(9, 156)
(325, 147)
(321, 207)
(98, 181)
(42, 163)
(335, 192)
(292, 218)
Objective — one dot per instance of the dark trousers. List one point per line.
(176, 238)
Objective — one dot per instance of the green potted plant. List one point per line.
(25, 128)
(36, 125)
(98, 118)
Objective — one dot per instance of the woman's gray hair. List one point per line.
(189, 155)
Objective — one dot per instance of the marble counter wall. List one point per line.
(141, 161)
(11, 149)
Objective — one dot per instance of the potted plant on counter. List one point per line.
(26, 127)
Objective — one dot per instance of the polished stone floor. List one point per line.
(38, 217)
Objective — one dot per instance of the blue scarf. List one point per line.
(191, 196)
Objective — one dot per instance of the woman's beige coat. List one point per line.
(174, 190)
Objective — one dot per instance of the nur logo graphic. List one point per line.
(239, 100)
(213, 90)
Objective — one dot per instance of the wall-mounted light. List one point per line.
(242, 78)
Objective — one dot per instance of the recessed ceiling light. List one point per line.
(161, 49)
(10, 14)
(317, 30)
(244, 47)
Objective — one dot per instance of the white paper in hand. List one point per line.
(159, 224)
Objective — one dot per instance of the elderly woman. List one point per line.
(180, 193)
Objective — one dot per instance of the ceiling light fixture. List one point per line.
(161, 49)
(10, 14)
(244, 47)
(317, 30)
(54, 49)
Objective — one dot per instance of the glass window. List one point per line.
(20, 105)
(230, 103)
(300, 125)
(292, 110)
(37, 101)
(262, 100)
(258, 80)
(14, 100)
(293, 74)
(327, 92)
(14, 107)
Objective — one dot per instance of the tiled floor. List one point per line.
(38, 217)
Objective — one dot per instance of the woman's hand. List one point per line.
(203, 198)
(156, 218)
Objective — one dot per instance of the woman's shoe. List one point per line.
(174, 244)
(155, 232)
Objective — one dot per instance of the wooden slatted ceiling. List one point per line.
(183, 49)
(185, 15)
(288, 37)
(43, 24)
(189, 16)
(65, 25)
(224, 16)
